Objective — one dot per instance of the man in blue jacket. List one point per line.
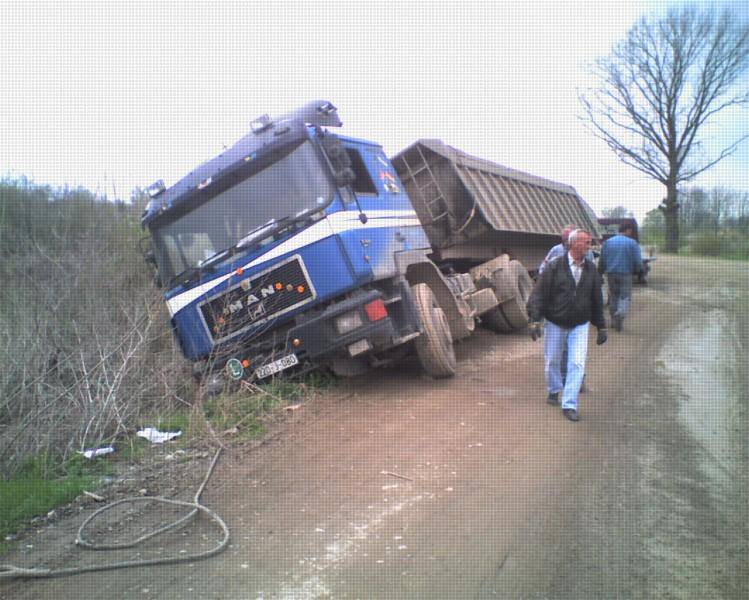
(620, 260)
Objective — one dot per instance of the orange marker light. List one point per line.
(246, 363)
(300, 289)
(239, 271)
(278, 286)
(296, 342)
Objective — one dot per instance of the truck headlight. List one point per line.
(348, 321)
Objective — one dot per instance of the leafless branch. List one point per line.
(662, 84)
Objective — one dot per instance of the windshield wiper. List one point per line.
(272, 227)
(260, 233)
(189, 274)
(255, 236)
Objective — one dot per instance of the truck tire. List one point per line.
(495, 321)
(434, 346)
(513, 287)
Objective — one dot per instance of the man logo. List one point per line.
(249, 301)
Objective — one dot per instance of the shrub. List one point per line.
(84, 338)
(706, 244)
(734, 244)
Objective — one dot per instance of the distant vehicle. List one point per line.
(609, 227)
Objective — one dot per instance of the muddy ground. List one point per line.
(397, 486)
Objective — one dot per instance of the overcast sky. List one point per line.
(125, 93)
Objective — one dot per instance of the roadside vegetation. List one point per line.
(712, 222)
(87, 353)
(42, 484)
(659, 91)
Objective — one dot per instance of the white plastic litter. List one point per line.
(97, 452)
(155, 436)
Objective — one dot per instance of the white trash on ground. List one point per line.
(97, 452)
(155, 436)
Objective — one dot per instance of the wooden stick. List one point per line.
(395, 475)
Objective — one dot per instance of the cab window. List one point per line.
(363, 183)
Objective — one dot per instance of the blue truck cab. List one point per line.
(299, 248)
(281, 252)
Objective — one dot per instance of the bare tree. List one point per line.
(658, 89)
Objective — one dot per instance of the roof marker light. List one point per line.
(156, 189)
(261, 124)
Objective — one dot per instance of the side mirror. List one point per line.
(339, 159)
(145, 245)
(150, 258)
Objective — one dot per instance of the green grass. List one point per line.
(177, 421)
(132, 449)
(247, 410)
(43, 484)
(23, 499)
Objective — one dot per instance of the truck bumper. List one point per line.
(317, 340)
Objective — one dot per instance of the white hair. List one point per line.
(576, 233)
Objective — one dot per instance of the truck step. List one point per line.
(406, 338)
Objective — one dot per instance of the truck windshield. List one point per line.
(295, 183)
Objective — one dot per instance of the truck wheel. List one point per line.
(434, 346)
(513, 287)
(495, 321)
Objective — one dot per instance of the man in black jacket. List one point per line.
(568, 296)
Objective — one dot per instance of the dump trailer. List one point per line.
(300, 248)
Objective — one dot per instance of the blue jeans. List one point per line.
(575, 340)
(620, 293)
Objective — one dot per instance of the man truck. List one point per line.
(300, 248)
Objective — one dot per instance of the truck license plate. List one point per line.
(276, 366)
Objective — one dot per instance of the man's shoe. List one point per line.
(571, 414)
(553, 399)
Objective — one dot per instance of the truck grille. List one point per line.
(256, 299)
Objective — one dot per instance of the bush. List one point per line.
(85, 344)
(734, 244)
(706, 244)
(727, 244)
(84, 338)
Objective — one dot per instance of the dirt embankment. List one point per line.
(398, 486)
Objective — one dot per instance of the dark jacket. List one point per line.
(556, 298)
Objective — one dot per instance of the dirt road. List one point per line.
(401, 487)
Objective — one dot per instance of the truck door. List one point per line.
(389, 215)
